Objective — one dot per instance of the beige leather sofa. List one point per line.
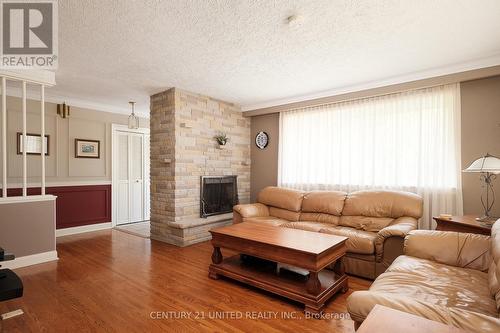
(376, 222)
(450, 277)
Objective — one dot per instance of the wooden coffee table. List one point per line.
(311, 251)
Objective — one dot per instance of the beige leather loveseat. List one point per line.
(450, 277)
(376, 222)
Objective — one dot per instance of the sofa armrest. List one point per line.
(450, 248)
(399, 228)
(252, 210)
(237, 218)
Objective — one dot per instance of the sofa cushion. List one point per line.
(284, 214)
(367, 223)
(362, 242)
(308, 226)
(320, 217)
(269, 220)
(437, 284)
(381, 203)
(459, 249)
(360, 303)
(281, 197)
(328, 202)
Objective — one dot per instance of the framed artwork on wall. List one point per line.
(33, 144)
(87, 148)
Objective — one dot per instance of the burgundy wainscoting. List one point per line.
(76, 205)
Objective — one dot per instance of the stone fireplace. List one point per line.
(184, 153)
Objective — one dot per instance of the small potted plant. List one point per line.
(222, 140)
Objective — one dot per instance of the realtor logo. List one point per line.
(29, 34)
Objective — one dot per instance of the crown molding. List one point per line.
(85, 104)
(274, 105)
(76, 102)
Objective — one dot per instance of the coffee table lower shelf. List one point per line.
(287, 285)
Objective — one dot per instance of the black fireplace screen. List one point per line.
(218, 195)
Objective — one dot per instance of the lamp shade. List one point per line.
(486, 163)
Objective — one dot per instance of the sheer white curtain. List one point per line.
(406, 141)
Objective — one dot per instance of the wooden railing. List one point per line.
(39, 79)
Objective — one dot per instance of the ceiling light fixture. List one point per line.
(133, 120)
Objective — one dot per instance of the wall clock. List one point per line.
(261, 140)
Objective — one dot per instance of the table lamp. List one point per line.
(488, 166)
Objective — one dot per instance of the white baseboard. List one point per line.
(32, 259)
(83, 228)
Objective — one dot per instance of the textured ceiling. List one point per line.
(111, 51)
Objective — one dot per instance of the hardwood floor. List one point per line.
(111, 281)
(141, 229)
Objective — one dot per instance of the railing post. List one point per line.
(42, 116)
(25, 169)
(4, 137)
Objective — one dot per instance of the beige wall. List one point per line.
(28, 228)
(61, 165)
(480, 134)
(264, 170)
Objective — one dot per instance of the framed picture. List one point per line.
(87, 148)
(33, 144)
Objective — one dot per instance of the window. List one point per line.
(407, 141)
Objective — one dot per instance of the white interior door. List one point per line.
(147, 179)
(131, 183)
(136, 162)
(122, 167)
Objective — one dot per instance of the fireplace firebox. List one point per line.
(218, 195)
